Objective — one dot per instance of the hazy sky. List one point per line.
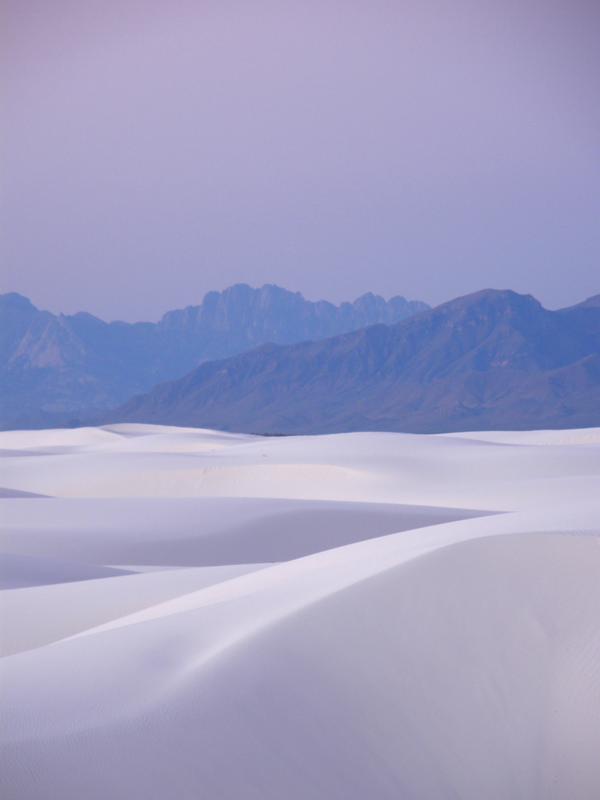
(155, 150)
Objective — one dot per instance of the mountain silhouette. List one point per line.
(56, 368)
(489, 360)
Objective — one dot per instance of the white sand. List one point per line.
(196, 614)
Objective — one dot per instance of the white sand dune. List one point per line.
(40, 615)
(340, 616)
(16, 493)
(364, 467)
(201, 531)
(18, 570)
(577, 436)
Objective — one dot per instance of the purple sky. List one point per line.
(155, 150)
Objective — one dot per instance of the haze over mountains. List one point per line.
(268, 361)
(493, 359)
(55, 368)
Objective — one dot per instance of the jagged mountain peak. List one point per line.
(52, 365)
(490, 359)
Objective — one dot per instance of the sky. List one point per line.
(153, 151)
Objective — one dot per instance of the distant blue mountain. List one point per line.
(494, 359)
(56, 368)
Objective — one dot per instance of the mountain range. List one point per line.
(489, 360)
(57, 369)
